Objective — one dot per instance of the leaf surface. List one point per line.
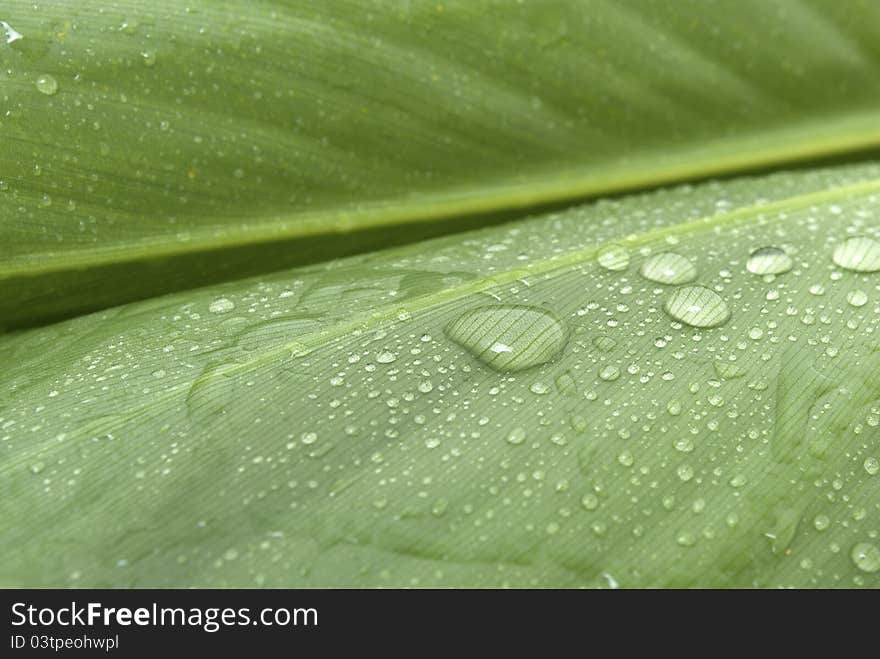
(519, 406)
(146, 143)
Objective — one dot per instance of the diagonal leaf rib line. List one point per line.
(714, 159)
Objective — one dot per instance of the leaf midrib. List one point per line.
(548, 266)
(857, 131)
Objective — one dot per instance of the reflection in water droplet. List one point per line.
(509, 338)
(857, 298)
(668, 268)
(221, 305)
(46, 84)
(11, 33)
(860, 254)
(769, 261)
(613, 257)
(697, 306)
(866, 557)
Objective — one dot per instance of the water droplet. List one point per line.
(604, 343)
(539, 388)
(872, 466)
(309, 438)
(509, 338)
(769, 261)
(625, 458)
(859, 254)
(516, 436)
(613, 257)
(857, 298)
(686, 539)
(46, 84)
(148, 57)
(386, 357)
(11, 33)
(728, 370)
(738, 480)
(684, 445)
(609, 372)
(590, 501)
(221, 305)
(37, 467)
(866, 557)
(697, 306)
(821, 522)
(668, 268)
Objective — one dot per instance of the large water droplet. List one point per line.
(46, 84)
(613, 257)
(697, 306)
(509, 338)
(769, 261)
(860, 254)
(866, 557)
(668, 268)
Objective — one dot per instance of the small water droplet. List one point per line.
(590, 501)
(697, 306)
(728, 370)
(539, 388)
(857, 298)
(516, 436)
(509, 338)
(872, 466)
(386, 357)
(684, 445)
(866, 557)
(604, 343)
(37, 467)
(861, 254)
(821, 522)
(686, 539)
(46, 84)
(769, 261)
(668, 268)
(221, 305)
(609, 372)
(148, 57)
(613, 257)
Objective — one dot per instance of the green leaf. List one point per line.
(146, 144)
(515, 406)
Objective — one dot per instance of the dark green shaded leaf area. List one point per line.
(150, 147)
